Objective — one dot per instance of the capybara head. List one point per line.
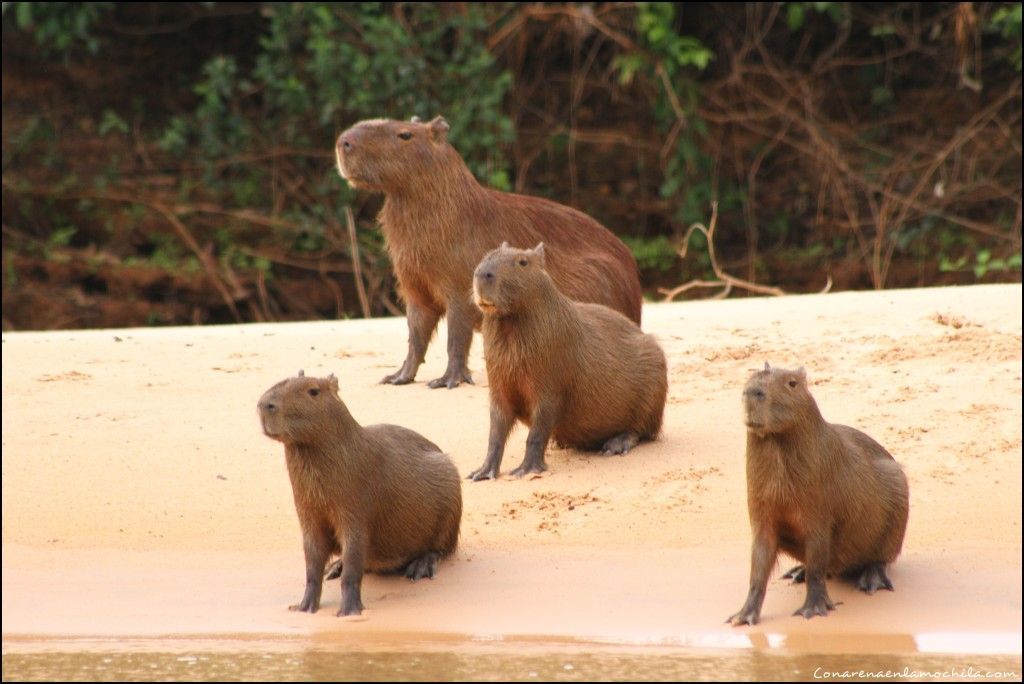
(776, 399)
(384, 155)
(299, 409)
(508, 279)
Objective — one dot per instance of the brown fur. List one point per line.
(826, 494)
(438, 222)
(383, 495)
(581, 373)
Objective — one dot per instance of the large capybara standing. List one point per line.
(580, 373)
(383, 496)
(438, 222)
(826, 494)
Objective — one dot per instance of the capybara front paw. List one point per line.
(484, 472)
(817, 605)
(451, 380)
(305, 606)
(353, 608)
(399, 378)
(526, 468)
(873, 578)
(334, 570)
(424, 566)
(796, 573)
(746, 616)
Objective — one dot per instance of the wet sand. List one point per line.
(141, 501)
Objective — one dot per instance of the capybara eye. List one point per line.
(792, 383)
(523, 262)
(313, 392)
(405, 135)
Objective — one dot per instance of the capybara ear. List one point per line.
(333, 381)
(504, 244)
(302, 373)
(766, 366)
(438, 129)
(539, 251)
(415, 119)
(801, 373)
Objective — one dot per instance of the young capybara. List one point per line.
(438, 222)
(826, 494)
(581, 373)
(383, 496)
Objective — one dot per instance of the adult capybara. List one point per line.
(826, 494)
(581, 373)
(383, 496)
(438, 222)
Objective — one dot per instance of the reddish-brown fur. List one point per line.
(826, 494)
(580, 373)
(384, 496)
(438, 222)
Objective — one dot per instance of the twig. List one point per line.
(357, 267)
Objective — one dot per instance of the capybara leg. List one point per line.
(352, 559)
(424, 566)
(620, 444)
(873, 578)
(461, 318)
(817, 601)
(315, 547)
(422, 322)
(333, 570)
(795, 573)
(501, 425)
(536, 442)
(762, 559)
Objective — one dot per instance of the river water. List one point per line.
(283, 660)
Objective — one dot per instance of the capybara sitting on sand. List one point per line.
(383, 496)
(438, 222)
(581, 373)
(826, 494)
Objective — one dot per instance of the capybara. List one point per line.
(826, 494)
(383, 496)
(438, 222)
(581, 373)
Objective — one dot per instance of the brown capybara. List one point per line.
(826, 494)
(580, 373)
(438, 222)
(383, 496)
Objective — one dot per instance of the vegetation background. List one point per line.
(172, 163)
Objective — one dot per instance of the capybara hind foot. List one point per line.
(333, 570)
(424, 566)
(873, 578)
(795, 573)
(817, 603)
(620, 444)
(452, 379)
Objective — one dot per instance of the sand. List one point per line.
(141, 500)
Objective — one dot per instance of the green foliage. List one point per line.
(59, 27)
(1006, 22)
(656, 253)
(983, 264)
(796, 12)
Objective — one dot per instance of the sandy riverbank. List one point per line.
(140, 498)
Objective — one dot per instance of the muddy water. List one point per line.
(294, 661)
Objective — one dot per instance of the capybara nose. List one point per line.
(268, 406)
(485, 276)
(345, 143)
(754, 393)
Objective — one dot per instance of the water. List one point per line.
(181, 660)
